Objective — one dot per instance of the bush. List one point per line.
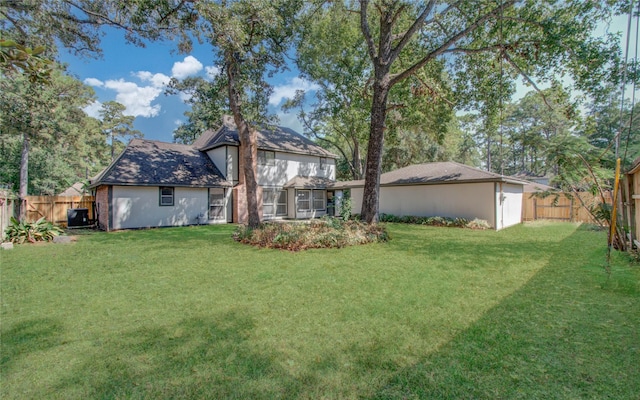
(436, 221)
(39, 231)
(324, 233)
(478, 224)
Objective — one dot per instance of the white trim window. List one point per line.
(267, 158)
(274, 202)
(303, 200)
(216, 204)
(281, 203)
(319, 200)
(323, 163)
(167, 196)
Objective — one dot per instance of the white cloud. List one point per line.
(157, 80)
(288, 91)
(212, 72)
(178, 122)
(290, 120)
(136, 99)
(93, 109)
(182, 69)
(93, 82)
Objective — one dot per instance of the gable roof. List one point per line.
(152, 163)
(269, 138)
(77, 189)
(436, 173)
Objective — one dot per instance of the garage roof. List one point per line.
(436, 173)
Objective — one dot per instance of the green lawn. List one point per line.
(527, 312)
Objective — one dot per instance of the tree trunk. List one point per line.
(24, 178)
(248, 144)
(370, 198)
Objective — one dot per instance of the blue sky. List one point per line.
(137, 78)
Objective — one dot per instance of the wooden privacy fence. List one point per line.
(561, 208)
(54, 208)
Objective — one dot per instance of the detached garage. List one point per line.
(446, 189)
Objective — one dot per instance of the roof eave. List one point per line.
(146, 184)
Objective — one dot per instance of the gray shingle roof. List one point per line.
(153, 163)
(271, 138)
(308, 182)
(434, 173)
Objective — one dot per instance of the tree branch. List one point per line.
(526, 77)
(449, 42)
(417, 24)
(366, 31)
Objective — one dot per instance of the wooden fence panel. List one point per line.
(54, 208)
(561, 209)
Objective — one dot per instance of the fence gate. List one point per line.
(559, 209)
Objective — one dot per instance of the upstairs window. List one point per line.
(266, 157)
(166, 196)
(323, 163)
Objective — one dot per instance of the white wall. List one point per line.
(460, 200)
(219, 156)
(226, 160)
(509, 210)
(139, 207)
(289, 165)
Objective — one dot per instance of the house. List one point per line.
(445, 189)
(77, 189)
(153, 184)
(633, 181)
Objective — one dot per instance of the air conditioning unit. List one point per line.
(77, 217)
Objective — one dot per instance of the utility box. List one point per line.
(77, 217)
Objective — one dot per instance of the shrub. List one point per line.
(324, 233)
(436, 221)
(478, 224)
(39, 231)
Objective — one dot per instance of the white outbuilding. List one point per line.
(446, 189)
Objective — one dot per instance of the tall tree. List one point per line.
(250, 40)
(75, 24)
(49, 121)
(116, 125)
(533, 38)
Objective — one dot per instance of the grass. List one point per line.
(527, 312)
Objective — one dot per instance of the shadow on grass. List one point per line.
(28, 337)
(568, 333)
(196, 358)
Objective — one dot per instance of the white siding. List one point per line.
(226, 160)
(288, 165)
(219, 158)
(508, 205)
(139, 207)
(463, 200)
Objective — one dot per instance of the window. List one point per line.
(268, 202)
(318, 200)
(216, 204)
(323, 163)
(166, 196)
(281, 203)
(274, 202)
(304, 200)
(266, 157)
